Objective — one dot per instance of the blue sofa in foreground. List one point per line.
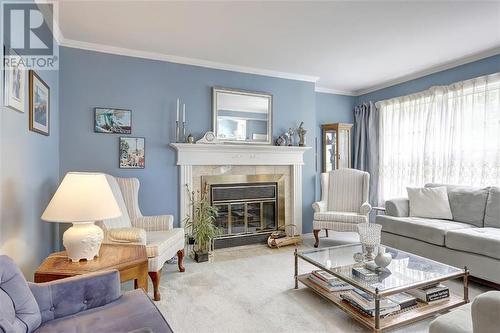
(86, 303)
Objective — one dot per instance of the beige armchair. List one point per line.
(344, 201)
(157, 233)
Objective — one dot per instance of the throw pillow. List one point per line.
(429, 202)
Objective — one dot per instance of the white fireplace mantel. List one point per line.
(189, 155)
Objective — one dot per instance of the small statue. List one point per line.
(301, 131)
(280, 141)
(289, 135)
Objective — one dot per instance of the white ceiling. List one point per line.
(351, 47)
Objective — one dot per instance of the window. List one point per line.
(448, 135)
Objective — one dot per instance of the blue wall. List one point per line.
(150, 88)
(464, 72)
(29, 175)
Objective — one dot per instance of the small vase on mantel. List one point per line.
(383, 259)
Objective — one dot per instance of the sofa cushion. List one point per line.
(346, 217)
(467, 203)
(429, 202)
(492, 216)
(159, 242)
(133, 311)
(19, 310)
(427, 230)
(484, 241)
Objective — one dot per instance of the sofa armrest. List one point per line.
(484, 310)
(319, 206)
(154, 223)
(399, 207)
(127, 236)
(61, 298)
(365, 208)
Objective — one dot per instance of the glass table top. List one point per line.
(406, 270)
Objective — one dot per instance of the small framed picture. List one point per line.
(113, 121)
(14, 81)
(132, 152)
(39, 104)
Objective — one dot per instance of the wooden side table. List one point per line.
(130, 260)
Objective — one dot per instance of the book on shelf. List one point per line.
(430, 293)
(366, 303)
(329, 282)
(404, 300)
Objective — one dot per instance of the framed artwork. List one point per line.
(39, 104)
(132, 152)
(113, 121)
(14, 82)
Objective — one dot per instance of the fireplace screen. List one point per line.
(246, 208)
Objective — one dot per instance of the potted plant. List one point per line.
(201, 223)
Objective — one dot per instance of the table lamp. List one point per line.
(82, 198)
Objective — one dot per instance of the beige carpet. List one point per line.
(250, 289)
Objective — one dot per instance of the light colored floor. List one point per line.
(250, 289)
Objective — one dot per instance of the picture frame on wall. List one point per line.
(112, 121)
(39, 105)
(132, 153)
(14, 82)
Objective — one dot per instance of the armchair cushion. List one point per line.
(132, 311)
(346, 217)
(164, 242)
(19, 311)
(72, 295)
(127, 235)
(154, 223)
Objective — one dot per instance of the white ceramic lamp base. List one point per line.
(83, 241)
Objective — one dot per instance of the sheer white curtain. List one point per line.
(448, 134)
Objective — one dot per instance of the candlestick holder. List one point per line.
(183, 132)
(177, 132)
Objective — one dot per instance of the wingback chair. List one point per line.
(162, 240)
(344, 201)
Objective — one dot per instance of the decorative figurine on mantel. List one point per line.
(281, 140)
(290, 135)
(301, 131)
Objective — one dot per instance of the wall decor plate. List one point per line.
(39, 109)
(112, 121)
(132, 152)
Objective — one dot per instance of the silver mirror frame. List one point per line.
(216, 90)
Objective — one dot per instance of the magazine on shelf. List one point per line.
(361, 303)
(330, 285)
(404, 300)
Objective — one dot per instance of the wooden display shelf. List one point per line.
(396, 319)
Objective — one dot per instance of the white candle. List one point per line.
(183, 113)
(177, 110)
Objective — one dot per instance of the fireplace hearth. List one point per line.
(250, 207)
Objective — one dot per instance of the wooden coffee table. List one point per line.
(130, 260)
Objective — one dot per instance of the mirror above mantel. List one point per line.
(241, 116)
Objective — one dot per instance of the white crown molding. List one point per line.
(183, 60)
(334, 91)
(431, 70)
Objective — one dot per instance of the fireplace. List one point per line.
(250, 207)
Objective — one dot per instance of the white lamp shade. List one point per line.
(82, 197)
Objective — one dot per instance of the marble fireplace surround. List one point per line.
(196, 160)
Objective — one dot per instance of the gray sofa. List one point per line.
(471, 239)
(86, 303)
